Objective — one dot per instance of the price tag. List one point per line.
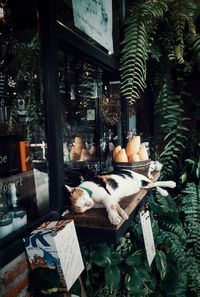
(147, 235)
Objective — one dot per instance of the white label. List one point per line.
(147, 235)
(67, 245)
(90, 114)
(94, 18)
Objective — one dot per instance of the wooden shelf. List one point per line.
(95, 225)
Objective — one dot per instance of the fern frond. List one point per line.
(194, 275)
(175, 248)
(191, 209)
(193, 43)
(181, 12)
(172, 124)
(133, 62)
(138, 26)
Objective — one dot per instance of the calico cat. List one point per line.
(108, 189)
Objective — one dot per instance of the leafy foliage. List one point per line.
(173, 129)
(136, 46)
(145, 21)
(191, 209)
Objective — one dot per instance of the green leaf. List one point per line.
(112, 277)
(190, 161)
(161, 263)
(116, 259)
(183, 177)
(135, 259)
(133, 282)
(101, 256)
(198, 172)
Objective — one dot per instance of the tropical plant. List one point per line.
(122, 269)
(191, 209)
(144, 21)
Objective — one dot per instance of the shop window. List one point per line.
(91, 113)
(23, 149)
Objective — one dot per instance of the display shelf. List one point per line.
(95, 225)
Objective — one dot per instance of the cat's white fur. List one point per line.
(82, 201)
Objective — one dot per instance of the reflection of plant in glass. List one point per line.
(22, 63)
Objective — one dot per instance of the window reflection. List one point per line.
(88, 136)
(23, 148)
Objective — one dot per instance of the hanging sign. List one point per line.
(147, 235)
(94, 18)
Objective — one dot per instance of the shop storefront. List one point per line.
(61, 111)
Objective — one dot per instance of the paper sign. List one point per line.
(55, 245)
(90, 114)
(94, 18)
(147, 235)
(69, 254)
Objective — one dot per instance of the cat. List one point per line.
(108, 189)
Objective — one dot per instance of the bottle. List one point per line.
(6, 221)
(2, 116)
(19, 214)
(2, 13)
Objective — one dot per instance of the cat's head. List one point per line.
(80, 199)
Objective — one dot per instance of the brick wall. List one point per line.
(14, 278)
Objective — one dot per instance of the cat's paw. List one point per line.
(114, 218)
(123, 214)
(171, 184)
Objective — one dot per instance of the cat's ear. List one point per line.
(68, 188)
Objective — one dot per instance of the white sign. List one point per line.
(147, 235)
(69, 253)
(55, 245)
(94, 18)
(90, 114)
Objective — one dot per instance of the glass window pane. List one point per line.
(90, 115)
(23, 149)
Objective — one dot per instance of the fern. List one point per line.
(193, 43)
(191, 208)
(138, 27)
(193, 275)
(172, 125)
(175, 248)
(181, 13)
(165, 209)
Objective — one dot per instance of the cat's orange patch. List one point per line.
(77, 209)
(74, 197)
(76, 194)
(114, 207)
